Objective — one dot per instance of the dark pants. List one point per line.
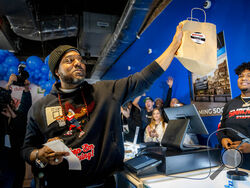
(64, 179)
(20, 173)
(108, 183)
(12, 169)
(6, 178)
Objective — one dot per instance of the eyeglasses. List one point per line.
(71, 58)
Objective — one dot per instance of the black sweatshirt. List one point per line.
(237, 117)
(100, 149)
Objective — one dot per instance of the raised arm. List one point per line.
(167, 56)
(135, 84)
(137, 99)
(169, 94)
(12, 78)
(125, 112)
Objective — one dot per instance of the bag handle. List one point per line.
(189, 18)
(200, 10)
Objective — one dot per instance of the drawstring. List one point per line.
(85, 103)
(63, 111)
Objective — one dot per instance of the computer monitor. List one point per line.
(190, 112)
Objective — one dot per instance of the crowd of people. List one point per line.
(134, 115)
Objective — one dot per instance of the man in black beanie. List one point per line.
(86, 117)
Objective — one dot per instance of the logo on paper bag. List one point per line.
(198, 37)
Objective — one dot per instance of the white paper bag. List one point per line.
(198, 51)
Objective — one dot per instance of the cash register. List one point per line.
(173, 156)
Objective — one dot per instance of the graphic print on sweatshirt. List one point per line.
(75, 118)
(85, 152)
(240, 113)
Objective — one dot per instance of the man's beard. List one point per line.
(71, 81)
(244, 89)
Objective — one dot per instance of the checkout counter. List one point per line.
(175, 165)
(158, 167)
(191, 179)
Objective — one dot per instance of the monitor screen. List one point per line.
(190, 112)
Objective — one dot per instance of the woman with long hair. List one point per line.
(155, 130)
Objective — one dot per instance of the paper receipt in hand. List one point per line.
(59, 146)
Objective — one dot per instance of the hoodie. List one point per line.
(88, 121)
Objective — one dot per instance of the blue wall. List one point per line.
(230, 16)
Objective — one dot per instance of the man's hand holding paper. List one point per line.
(60, 151)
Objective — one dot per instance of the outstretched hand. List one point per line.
(178, 36)
(167, 56)
(12, 78)
(170, 81)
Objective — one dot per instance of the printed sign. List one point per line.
(212, 91)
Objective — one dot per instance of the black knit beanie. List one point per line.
(56, 56)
